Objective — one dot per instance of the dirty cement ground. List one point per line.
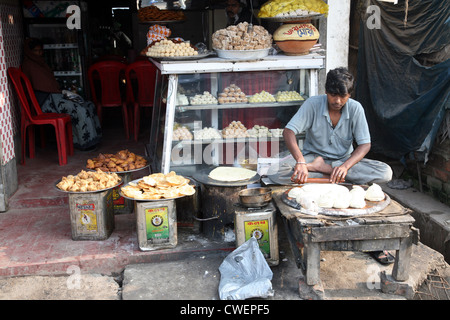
(344, 276)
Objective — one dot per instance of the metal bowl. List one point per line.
(242, 54)
(255, 197)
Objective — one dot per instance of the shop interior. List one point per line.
(112, 31)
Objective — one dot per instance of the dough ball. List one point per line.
(357, 197)
(326, 200)
(374, 193)
(294, 192)
(342, 200)
(309, 205)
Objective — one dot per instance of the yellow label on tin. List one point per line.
(157, 224)
(87, 218)
(260, 230)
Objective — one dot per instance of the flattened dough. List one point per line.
(229, 174)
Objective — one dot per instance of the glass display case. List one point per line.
(213, 112)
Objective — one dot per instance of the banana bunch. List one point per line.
(292, 8)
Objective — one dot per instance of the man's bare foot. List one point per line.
(319, 165)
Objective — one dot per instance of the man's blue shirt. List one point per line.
(320, 136)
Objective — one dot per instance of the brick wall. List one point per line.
(436, 173)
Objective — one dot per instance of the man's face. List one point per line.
(232, 8)
(38, 51)
(336, 102)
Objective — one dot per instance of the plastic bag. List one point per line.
(245, 273)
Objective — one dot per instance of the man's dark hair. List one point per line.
(33, 43)
(339, 81)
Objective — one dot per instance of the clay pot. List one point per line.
(296, 47)
(296, 38)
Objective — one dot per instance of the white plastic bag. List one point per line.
(245, 273)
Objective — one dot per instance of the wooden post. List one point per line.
(400, 270)
(312, 263)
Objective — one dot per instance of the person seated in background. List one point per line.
(86, 128)
(238, 12)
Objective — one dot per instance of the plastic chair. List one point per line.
(112, 57)
(105, 79)
(141, 73)
(31, 114)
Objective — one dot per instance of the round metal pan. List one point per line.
(203, 177)
(371, 206)
(255, 197)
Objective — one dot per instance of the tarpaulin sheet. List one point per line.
(404, 100)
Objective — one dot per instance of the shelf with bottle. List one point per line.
(65, 61)
(57, 46)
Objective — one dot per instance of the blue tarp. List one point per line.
(404, 100)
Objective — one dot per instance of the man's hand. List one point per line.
(300, 174)
(338, 174)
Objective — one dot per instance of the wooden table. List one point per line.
(389, 229)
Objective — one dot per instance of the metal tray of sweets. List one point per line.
(86, 192)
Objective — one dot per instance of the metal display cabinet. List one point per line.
(181, 107)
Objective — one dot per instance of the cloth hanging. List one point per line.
(404, 98)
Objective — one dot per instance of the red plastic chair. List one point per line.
(31, 114)
(112, 57)
(142, 73)
(105, 79)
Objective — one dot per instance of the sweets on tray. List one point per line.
(262, 96)
(283, 96)
(277, 133)
(259, 132)
(153, 13)
(278, 8)
(205, 98)
(235, 130)
(86, 181)
(168, 48)
(182, 99)
(123, 160)
(182, 133)
(232, 94)
(240, 37)
(159, 186)
(207, 133)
